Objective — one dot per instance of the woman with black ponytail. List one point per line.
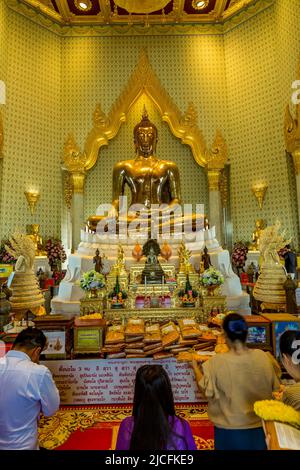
(232, 382)
(154, 424)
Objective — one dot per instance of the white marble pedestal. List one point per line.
(236, 299)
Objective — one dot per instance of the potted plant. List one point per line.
(91, 282)
(211, 279)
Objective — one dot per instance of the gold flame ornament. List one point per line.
(32, 199)
(259, 191)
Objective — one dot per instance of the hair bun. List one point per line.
(237, 326)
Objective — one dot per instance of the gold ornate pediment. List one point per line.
(142, 81)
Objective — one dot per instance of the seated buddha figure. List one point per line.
(151, 181)
(259, 227)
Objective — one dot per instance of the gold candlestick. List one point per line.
(259, 191)
(32, 199)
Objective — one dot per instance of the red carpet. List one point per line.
(96, 428)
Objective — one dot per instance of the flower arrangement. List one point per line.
(273, 410)
(5, 256)
(55, 252)
(211, 277)
(188, 295)
(92, 280)
(58, 276)
(192, 295)
(117, 296)
(239, 256)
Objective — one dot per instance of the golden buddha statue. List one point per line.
(259, 227)
(119, 267)
(185, 265)
(34, 234)
(150, 180)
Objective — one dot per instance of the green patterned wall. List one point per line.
(261, 63)
(3, 77)
(96, 70)
(32, 124)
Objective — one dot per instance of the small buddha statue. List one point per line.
(119, 266)
(152, 272)
(37, 239)
(259, 227)
(97, 260)
(251, 272)
(185, 265)
(206, 259)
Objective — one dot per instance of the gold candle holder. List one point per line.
(32, 199)
(259, 191)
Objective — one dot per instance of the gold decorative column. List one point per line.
(216, 159)
(292, 142)
(74, 163)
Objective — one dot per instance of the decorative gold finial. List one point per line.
(32, 199)
(145, 113)
(259, 190)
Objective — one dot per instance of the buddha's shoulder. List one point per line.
(124, 164)
(168, 164)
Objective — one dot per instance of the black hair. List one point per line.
(153, 405)
(235, 327)
(286, 341)
(30, 338)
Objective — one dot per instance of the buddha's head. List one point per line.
(35, 229)
(259, 224)
(145, 136)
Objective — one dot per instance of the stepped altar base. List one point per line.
(68, 300)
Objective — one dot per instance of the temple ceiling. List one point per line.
(133, 15)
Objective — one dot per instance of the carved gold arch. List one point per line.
(105, 127)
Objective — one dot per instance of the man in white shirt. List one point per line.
(26, 390)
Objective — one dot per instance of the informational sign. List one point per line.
(111, 381)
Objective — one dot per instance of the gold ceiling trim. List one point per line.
(32, 9)
(176, 23)
(143, 80)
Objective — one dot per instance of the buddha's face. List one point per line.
(145, 140)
